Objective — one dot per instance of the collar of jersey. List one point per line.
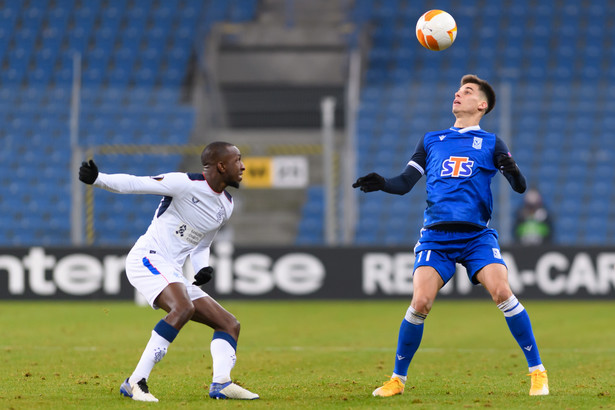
(466, 129)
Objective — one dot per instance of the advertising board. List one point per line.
(304, 272)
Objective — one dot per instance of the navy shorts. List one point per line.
(442, 250)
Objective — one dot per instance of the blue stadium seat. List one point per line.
(84, 18)
(35, 95)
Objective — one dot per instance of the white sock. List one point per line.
(539, 367)
(402, 378)
(154, 352)
(223, 357)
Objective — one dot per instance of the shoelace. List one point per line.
(537, 378)
(391, 381)
(143, 385)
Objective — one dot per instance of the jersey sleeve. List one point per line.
(415, 169)
(419, 158)
(199, 257)
(165, 184)
(500, 148)
(516, 181)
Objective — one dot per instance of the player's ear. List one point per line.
(220, 167)
(483, 105)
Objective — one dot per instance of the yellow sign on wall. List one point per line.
(276, 172)
(258, 173)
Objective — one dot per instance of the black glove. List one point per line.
(203, 276)
(506, 163)
(370, 182)
(88, 172)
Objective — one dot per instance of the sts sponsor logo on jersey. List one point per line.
(456, 167)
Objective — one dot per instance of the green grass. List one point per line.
(308, 355)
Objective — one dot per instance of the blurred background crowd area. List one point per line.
(182, 73)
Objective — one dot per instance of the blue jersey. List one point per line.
(459, 165)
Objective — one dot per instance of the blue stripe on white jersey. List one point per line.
(164, 205)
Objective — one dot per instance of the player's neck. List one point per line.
(214, 183)
(469, 121)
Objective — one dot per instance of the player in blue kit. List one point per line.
(459, 164)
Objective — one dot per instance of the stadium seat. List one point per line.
(35, 96)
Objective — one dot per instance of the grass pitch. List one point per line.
(308, 355)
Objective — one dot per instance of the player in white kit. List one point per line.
(193, 208)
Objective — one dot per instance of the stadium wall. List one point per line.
(303, 273)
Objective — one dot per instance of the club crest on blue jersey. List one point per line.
(456, 167)
(477, 143)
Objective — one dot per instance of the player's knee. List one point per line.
(231, 325)
(183, 313)
(501, 294)
(189, 311)
(422, 304)
(234, 325)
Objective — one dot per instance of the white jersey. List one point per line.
(187, 219)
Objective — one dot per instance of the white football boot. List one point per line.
(230, 390)
(137, 391)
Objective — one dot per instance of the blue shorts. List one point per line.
(442, 250)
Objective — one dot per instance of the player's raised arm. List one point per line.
(166, 184)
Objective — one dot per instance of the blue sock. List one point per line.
(223, 335)
(410, 335)
(519, 324)
(166, 330)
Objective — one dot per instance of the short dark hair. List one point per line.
(214, 151)
(483, 86)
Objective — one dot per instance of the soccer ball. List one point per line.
(436, 30)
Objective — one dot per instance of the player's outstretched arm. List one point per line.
(508, 167)
(400, 185)
(169, 184)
